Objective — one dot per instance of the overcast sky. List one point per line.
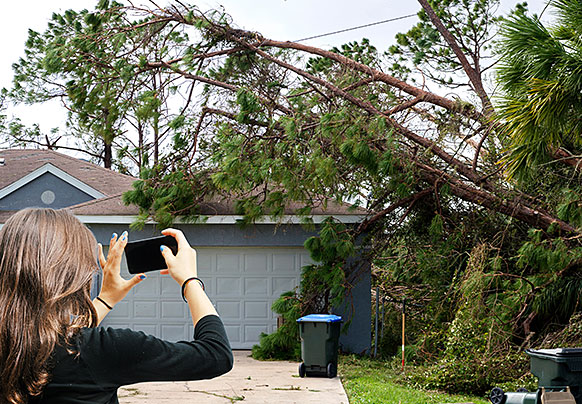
(276, 19)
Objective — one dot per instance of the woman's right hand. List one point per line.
(182, 265)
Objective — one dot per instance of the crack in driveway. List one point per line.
(232, 400)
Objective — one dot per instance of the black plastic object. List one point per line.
(319, 344)
(559, 367)
(331, 370)
(497, 396)
(302, 369)
(145, 255)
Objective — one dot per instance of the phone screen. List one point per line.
(145, 255)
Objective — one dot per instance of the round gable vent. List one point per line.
(47, 197)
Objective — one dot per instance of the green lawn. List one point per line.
(368, 381)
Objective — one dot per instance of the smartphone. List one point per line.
(145, 255)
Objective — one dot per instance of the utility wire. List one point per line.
(354, 28)
(344, 30)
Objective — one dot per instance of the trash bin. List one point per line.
(559, 367)
(319, 344)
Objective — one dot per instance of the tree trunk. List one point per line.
(509, 206)
(107, 155)
(140, 146)
(471, 71)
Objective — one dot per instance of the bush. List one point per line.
(474, 359)
(284, 343)
(478, 351)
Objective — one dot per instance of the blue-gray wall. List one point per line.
(217, 235)
(29, 195)
(357, 307)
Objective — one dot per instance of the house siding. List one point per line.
(217, 235)
(59, 193)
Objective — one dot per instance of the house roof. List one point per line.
(113, 206)
(20, 162)
(108, 206)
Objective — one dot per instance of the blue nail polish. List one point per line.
(162, 248)
(123, 235)
(113, 235)
(142, 277)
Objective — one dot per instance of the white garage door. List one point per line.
(241, 282)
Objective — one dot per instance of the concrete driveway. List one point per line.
(250, 381)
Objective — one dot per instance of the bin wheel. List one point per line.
(302, 369)
(497, 396)
(331, 370)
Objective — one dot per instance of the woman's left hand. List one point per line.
(114, 288)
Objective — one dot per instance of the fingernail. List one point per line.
(113, 235)
(142, 277)
(162, 248)
(123, 235)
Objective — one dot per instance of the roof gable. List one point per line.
(19, 163)
(57, 172)
(45, 191)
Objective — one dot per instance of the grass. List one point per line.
(368, 381)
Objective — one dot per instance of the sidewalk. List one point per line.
(250, 381)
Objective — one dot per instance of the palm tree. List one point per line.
(540, 75)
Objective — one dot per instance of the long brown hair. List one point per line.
(47, 260)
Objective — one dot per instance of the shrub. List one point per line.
(284, 343)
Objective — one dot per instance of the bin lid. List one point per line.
(320, 318)
(555, 353)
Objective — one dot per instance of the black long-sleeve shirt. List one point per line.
(110, 358)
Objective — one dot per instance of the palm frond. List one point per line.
(540, 75)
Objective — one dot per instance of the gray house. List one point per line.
(244, 270)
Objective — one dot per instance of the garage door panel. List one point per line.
(252, 334)
(282, 284)
(257, 310)
(284, 262)
(205, 264)
(256, 263)
(169, 287)
(234, 334)
(228, 286)
(209, 284)
(148, 288)
(256, 286)
(227, 262)
(174, 310)
(122, 310)
(145, 309)
(229, 310)
(151, 329)
(305, 260)
(173, 332)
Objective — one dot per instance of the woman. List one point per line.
(50, 348)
